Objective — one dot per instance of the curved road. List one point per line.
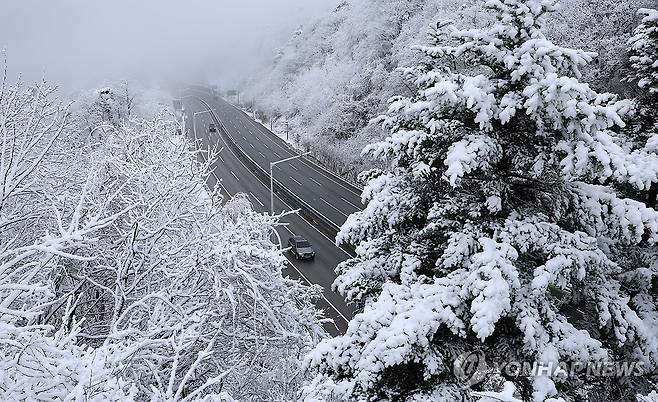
(323, 192)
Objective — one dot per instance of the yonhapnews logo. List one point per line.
(471, 368)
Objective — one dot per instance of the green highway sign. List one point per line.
(232, 92)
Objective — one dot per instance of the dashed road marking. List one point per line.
(355, 206)
(288, 229)
(315, 181)
(256, 198)
(325, 299)
(339, 211)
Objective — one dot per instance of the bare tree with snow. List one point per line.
(124, 278)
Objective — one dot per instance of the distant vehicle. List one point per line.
(212, 128)
(301, 248)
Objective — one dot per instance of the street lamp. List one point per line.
(272, 164)
(180, 99)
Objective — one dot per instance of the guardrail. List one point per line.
(353, 187)
(287, 196)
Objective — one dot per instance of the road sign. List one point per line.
(232, 92)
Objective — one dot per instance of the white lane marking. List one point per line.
(229, 194)
(293, 166)
(329, 175)
(265, 145)
(355, 206)
(315, 181)
(277, 155)
(325, 299)
(236, 177)
(293, 179)
(256, 198)
(252, 145)
(288, 229)
(245, 138)
(263, 155)
(277, 166)
(339, 211)
(221, 159)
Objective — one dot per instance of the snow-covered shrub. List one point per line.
(500, 226)
(123, 278)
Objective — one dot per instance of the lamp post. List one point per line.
(193, 114)
(272, 164)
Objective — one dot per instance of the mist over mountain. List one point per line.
(79, 44)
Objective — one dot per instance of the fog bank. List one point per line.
(82, 43)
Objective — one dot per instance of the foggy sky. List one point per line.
(83, 43)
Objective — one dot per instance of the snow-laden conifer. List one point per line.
(498, 227)
(643, 51)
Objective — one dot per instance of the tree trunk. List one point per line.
(651, 198)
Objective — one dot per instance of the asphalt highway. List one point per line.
(320, 191)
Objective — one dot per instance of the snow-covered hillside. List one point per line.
(336, 74)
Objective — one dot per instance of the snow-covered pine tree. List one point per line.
(643, 51)
(497, 227)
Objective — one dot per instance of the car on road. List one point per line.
(212, 128)
(301, 248)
